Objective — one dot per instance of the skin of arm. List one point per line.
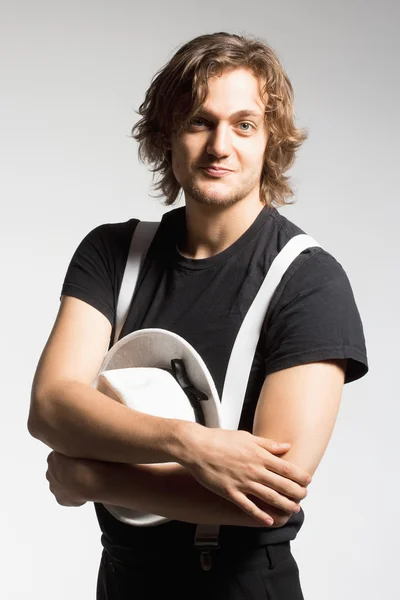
(299, 404)
(76, 420)
(81, 422)
(166, 490)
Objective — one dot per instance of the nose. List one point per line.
(219, 142)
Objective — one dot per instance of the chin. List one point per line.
(215, 201)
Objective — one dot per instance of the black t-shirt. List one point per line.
(312, 317)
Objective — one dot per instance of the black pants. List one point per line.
(266, 572)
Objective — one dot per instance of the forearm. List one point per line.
(81, 422)
(169, 491)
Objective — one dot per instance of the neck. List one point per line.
(212, 228)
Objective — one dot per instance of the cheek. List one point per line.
(256, 157)
(179, 166)
(183, 157)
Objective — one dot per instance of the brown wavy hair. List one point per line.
(180, 87)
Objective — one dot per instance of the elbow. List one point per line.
(33, 417)
(32, 429)
(280, 521)
(44, 422)
(279, 516)
(40, 429)
(37, 423)
(35, 427)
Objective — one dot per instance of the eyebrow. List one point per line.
(237, 115)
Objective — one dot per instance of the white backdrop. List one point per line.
(72, 75)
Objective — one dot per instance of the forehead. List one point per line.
(236, 92)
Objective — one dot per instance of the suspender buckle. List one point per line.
(206, 560)
(206, 554)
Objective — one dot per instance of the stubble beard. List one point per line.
(209, 198)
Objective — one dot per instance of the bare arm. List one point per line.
(79, 421)
(299, 404)
(170, 491)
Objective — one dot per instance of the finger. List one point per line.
(279, 449)
(287, 469)
(245, 504)
(273, 445)
(270, 496)
(282, 485)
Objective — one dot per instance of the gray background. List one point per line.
(72, 75)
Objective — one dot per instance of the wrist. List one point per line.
(92, 478)
(186, 440)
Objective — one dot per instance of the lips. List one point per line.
(216, 171)
(215, 168)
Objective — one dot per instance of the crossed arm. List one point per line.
(298, 405)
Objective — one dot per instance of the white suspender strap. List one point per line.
(241, 359)
(140, 243)
(244, 348)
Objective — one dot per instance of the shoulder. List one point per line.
(313, 314)
(96, 268)
(111, 237)
(107, 246)
(312, 266)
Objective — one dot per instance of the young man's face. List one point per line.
(216, 136)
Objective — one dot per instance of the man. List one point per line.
(217, 123)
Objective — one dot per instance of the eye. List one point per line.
(192, 121)
(246, 123)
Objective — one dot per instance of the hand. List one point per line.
(68, 478)
(235, 464)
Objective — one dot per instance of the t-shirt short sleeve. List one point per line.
(315, 318)
(95, 271)
(89, 275)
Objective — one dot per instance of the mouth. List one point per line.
(215, 172)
